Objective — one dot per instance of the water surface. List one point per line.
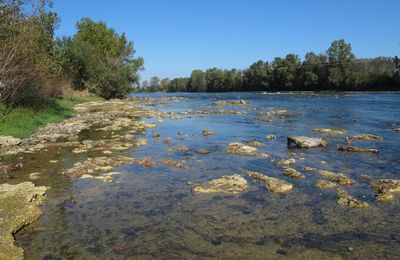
(153, 213)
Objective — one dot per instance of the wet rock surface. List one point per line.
(330, 131)
(274, 185)
(345, 199)
(339, 178)
(226, 184)
(355, 149)
(306, 142)
(292, 173)
(222, 103)
(366, 137)
(243, 150)
(386, 188)
(6, 141)
(18, 208)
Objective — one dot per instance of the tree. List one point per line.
(258, 76)
(99, 59)
(341, 60)
(285, 74)
(197, 81)
(27, 68)
(313, 71)
(154, 84)
(164, 84)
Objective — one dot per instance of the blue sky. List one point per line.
(176, 36)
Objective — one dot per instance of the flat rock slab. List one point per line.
(6, 141)
(226, 184)
(274, 185)
(306, 142)
(330, 131)
(18, 208)
(243, 150)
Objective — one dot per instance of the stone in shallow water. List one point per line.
(366, 137)
(274, 185)
(243, 150)
(226, 184)
(306, 142)
(202, 151)
(18, 208)
(355, 149)
(286, 162)
(231, 103)
(345, 199)
(207, 132)
(169, 162)
(339, 178)
(292, 173)
(325, 184)
(384, 188)
(178, 148)
(270, 137)
(254, 143)
(330, 131)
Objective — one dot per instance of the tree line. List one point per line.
(35, 65)
(336, 69)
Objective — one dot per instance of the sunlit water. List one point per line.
(153, 212)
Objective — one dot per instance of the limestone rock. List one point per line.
(243, 150)
(384, 188)
(226, 184)
(306, 142)
(6, 141)
(292, 173)
(274, 185)
(330, 131)
(18, 208)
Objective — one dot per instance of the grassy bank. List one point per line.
(24, 120)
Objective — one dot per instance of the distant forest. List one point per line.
(336, 69)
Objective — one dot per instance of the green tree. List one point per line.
(99, 59)
(197, 81)
(341, 69)
(258, 76)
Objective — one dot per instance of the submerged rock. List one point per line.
(207, 132)
(270, 137)
(330, 131)
(366, 137)
(231, 103)
(6, 141)
(306, 142)
(226, 184)
(156, 135)
(345, 199)
(202, 151)
(325, 184)
(292, 173)
(18, 208)
(274, 185)
(243, 150)
(384, 188)
(396, 129)
(354, 149)
(169, 162)
(339, 178)
(286, 162)
(254, 143)
(178, 148)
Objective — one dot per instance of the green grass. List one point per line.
(24, 120)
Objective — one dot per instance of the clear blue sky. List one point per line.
(176, 36)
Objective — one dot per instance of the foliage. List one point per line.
(99, 59)
(27, 67)
(336, 69)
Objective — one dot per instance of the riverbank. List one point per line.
(114, 125)
(23, 121)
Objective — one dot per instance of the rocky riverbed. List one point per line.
(168, 176)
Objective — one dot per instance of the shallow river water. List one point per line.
(152, 212)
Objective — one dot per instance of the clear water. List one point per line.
(153, 213)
